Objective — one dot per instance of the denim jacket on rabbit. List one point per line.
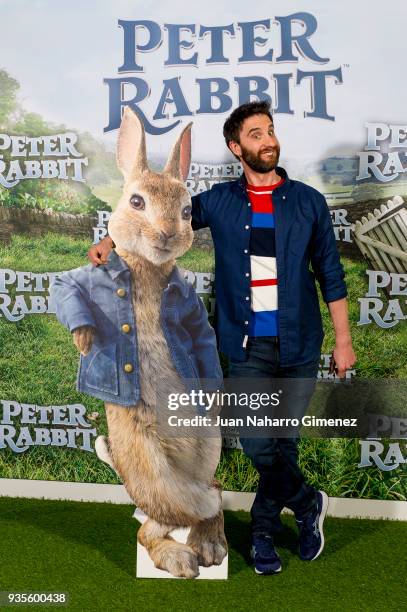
(101, 297)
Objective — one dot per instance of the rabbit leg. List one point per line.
(167, 554)
(163, 488)
(103, 451)
(207, 539)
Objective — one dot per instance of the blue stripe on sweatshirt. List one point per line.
(262, 220)
(264, 323)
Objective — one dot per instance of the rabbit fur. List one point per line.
(170, 478)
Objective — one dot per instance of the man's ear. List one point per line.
(235, 148)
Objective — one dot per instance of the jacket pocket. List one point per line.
(101, 373)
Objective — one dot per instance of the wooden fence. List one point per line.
(38, 222)
(382, 236)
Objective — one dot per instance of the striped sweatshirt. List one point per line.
(264, 284)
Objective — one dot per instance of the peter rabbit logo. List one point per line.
(170, 478)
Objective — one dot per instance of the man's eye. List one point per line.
(186, 212)
(137, 202)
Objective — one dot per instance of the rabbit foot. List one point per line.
(83, 338)
(207, 540)
(177, 559)
(210, 553)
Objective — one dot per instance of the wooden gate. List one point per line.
(382, 236)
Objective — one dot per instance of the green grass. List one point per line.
(328, 464)
(381, 353)
(38, 364)
(89, 551)
(50, 253)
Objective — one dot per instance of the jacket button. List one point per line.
(246, 322)
(128, 368)
(246, 227)
(126, 328)
(247, 274)
(247, 297)
(246, 251)
(121, 292)
(283, 197)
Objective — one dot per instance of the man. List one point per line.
(267, 230)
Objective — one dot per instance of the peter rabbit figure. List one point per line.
(143, 333)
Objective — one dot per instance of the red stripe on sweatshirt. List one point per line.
(263, 282)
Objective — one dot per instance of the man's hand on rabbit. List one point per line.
(98, 253)
(83, 338)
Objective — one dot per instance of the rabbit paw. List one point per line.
(179, 560)
(207, 540)
(83, 338)
(210, 552)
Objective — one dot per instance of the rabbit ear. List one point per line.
(179, 159)
(131, 145)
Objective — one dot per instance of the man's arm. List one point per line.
(329, 272)
(98, 253)
(343, 352)
(199, 210)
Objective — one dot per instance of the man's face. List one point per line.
(258, 147)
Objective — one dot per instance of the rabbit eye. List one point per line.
(137, 202)
(186, 212)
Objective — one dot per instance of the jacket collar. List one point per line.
(116, 265)
(241, 183)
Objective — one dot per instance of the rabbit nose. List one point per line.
(165, 236)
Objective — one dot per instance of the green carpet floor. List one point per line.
(88, 550)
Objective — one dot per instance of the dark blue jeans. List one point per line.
(281, 482)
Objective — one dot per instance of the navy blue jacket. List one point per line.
(304, 238)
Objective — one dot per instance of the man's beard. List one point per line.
(257, 163)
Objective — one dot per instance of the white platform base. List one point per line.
(146, 568)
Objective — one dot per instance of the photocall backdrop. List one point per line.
(332, 75)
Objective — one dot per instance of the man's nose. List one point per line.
(271, 139)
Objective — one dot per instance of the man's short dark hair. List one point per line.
(234, 122)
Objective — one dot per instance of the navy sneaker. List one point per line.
(264, 555)
(311, 534)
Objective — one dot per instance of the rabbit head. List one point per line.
(153, 216)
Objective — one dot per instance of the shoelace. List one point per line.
(309, 528)
(265, 548)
